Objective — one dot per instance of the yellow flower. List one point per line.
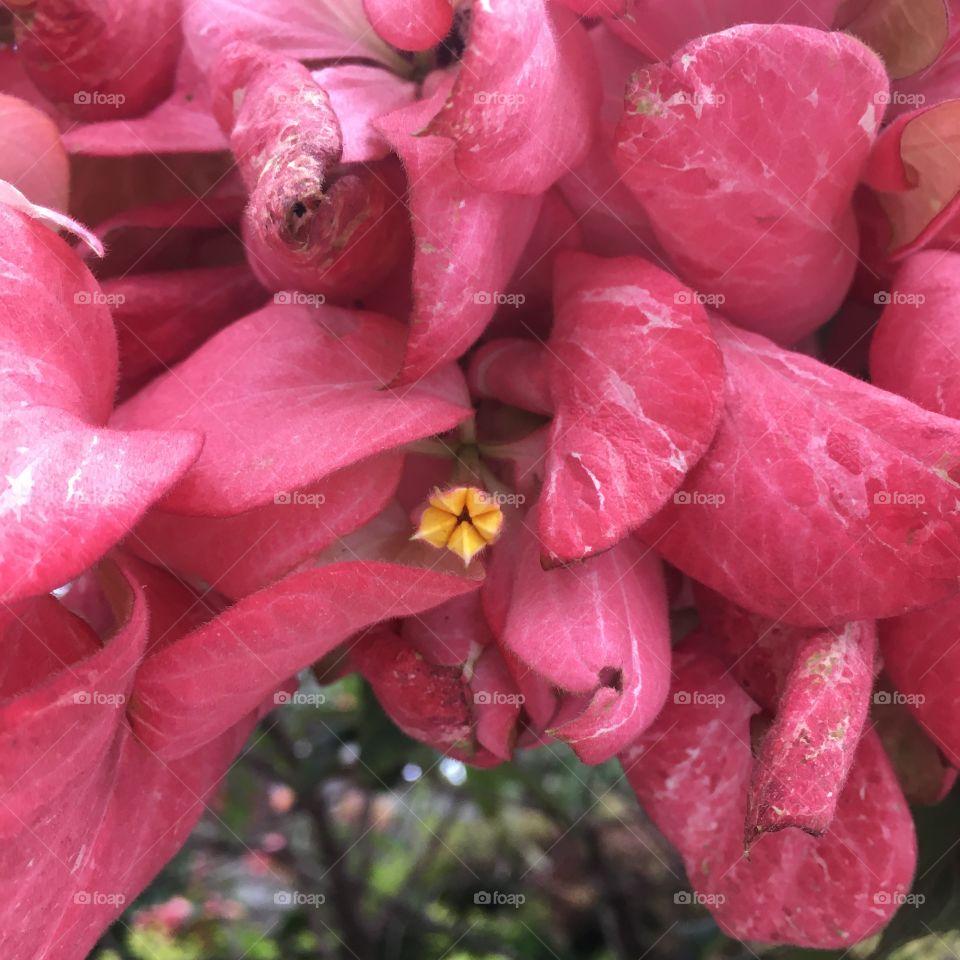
(462, 519)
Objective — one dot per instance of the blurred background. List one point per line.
(335, 836)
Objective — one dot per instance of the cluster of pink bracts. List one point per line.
(622, 263)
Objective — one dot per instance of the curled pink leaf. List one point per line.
(310, 223)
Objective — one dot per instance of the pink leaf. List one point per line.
(301, 29)
(807, 455)
(287, 396)
(69, 867)
(752, 201)
(691, 771)
(637, 385)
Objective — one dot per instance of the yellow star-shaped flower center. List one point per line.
(463, 520)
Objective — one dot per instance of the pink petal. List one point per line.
(407, 26)
(916, 342)
(815, 685)
(660, 27)
(637, 385)
(161, 317)
(908, 34)
(71, 489)
(198, 687)
(924, 772)
(599, 629)
(753, 205)
(514, 372)
(69, 867)
(859, 477)
(116, 59)
(55, 721)
(33, 158)
(287, 396)
(913, 173)
(691, 771)
(301, 29)
(522, 109)
(182, 123)
(467, 244)
(239, 554)
(360, 95)
(920, 650)
(806, 755)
